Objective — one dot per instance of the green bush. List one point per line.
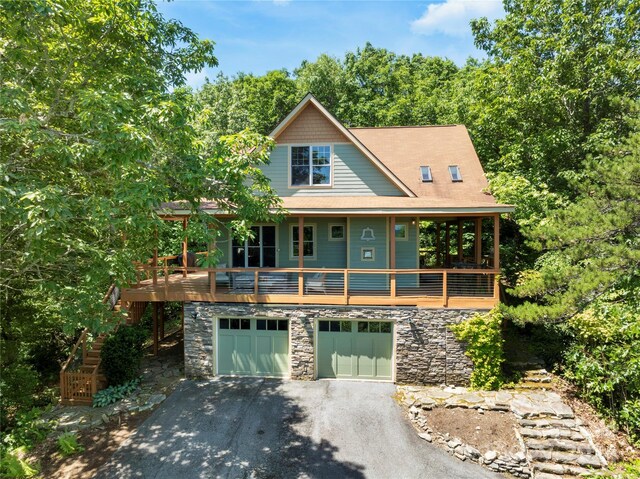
(604, 358)
(68, 444)
(482, 334)
(12, 464)
(18, 385)
(114, 393)
(28, 428)
(121, 354)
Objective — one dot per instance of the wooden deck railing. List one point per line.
(457, 287)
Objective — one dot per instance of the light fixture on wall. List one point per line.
(367, 234)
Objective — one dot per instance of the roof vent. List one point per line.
(454, 171)
(425, 174)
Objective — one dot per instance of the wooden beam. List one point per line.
(155, 328)
(478, 241)
(496, 241)
(460, 252)
(447, 244)
(392, 242)
(438, 246)
(300, 255)
(155, 258)
(161, 320)
(184, 248)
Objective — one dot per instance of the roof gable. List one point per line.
(310, 110)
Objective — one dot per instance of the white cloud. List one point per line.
(281, 3)
(453, 16)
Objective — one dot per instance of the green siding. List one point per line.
(353, 175)
(368, 281)
(407, 254)
(329, 254)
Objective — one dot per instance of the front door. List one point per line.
(257, 252)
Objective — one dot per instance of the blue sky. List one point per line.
(258, 36)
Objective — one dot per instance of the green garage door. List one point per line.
(253, 347)
(355, 349)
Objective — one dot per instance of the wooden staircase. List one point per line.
(79, 383)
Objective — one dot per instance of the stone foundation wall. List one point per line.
(426, 351)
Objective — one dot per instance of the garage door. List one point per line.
(253, 347)
(355, 349)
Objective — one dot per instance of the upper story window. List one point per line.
(454, 171)
(425, 174)
(311, 165)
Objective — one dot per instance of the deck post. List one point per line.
(445, 293)
(166, 280)
(184, 248)
(345, 286)
(155, 258)
(155, 328)
(460, 252)
(161, 320)
(300, 255)
(478, 242)
(392, 255)
(438, 246)
(447, 244)
(496, 241)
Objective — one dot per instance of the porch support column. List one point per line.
(460, 255)
(161, 320)
(392, 254)
(496, 241)
(300, 254)
(155, 259)
(184, 248)
(155, 328)
(478, 241)
(447, 244)
(438, 246)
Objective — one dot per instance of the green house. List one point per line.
(390, 237)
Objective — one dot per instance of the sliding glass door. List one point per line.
(257, 252)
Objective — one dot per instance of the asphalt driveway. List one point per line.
(263, 428)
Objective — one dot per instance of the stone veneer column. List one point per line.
(198, 341)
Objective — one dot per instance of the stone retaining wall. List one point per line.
(426, 350)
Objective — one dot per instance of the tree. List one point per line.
(257, 103)
(96, 132)
(546, 99)
(591, 246)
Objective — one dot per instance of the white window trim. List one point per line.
(406, 232)
(315, 242)
(344, 231)
(373, 253)
(310, 185)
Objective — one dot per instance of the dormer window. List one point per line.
(454, 171)
(425, 174)
(310, 165)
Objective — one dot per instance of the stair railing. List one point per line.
(69, 379)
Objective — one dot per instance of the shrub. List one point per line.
(28, 429)
(604, 358)
(121, 354)
(114, 393)
(482, 334)
(12, 464)
(68, 444)
(18, 385)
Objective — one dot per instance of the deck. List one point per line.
(436, 288)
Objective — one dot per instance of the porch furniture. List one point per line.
(316, 282)
(221, 276)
